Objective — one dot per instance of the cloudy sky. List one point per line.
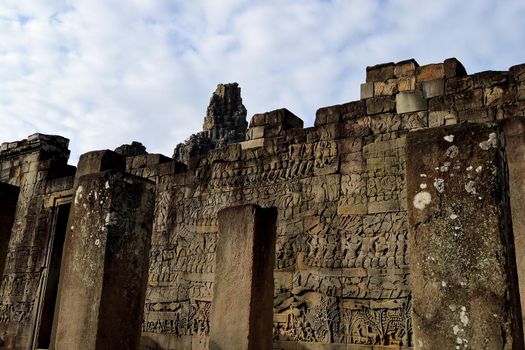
(106, 72)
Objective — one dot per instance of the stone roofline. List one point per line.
(443, 90)
(48, 145)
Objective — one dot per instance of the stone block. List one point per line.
(353, 110)
(454, 68)
(156, 159)
(383, 206)
(410, 101)
(282, 116)
(352, 209)
(414, 121)
(441, 103)
(252, 144)
(352, 163)
(330, 131)
(171, 168)
(105, 263)
(258, 119)
(97, 161)
(385, 88)
(242, 306)
(327, 115)
(131, 150)
(433, 88)
(406, 83)
(297, 135)
(460, 276)
(518, 72)
(459, 84)
(489, 79)
(441, 118)
(468, 100)
(385, 123)
(367, 90)
(380, 105)
(380, 72)
(256, 132)
(431, 72)
(137, 162)
(54, 140)
(505, 111)
(5, 174)
(350, 145)
(495, 95)
(405, 68)
(521, 92)
(478, 115)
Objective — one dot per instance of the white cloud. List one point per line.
(103, 73)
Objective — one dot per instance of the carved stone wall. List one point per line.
(31, 165)
(341, 271)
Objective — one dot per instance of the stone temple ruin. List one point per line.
(396, 222)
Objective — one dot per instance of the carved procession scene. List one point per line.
(395, 222)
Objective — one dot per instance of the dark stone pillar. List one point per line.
(105, 263)
(514, 132)
(8, 201)
(242, 306)
(461, 266)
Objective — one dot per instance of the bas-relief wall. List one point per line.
(341, 267)
(341, 273)
(31, 166)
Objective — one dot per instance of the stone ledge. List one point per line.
(252, 144)
(277, 117)
(410, 101)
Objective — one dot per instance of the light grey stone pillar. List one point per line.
(242, 306)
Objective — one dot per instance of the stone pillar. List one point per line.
(460, 249)
(105, 262)
(242, 306)
(514, 133)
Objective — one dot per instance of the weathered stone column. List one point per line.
(461, 262)
(514, 133)
(105, 263)
(242, 306)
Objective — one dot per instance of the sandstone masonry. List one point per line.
(399, 222)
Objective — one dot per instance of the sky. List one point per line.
(107, 72)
